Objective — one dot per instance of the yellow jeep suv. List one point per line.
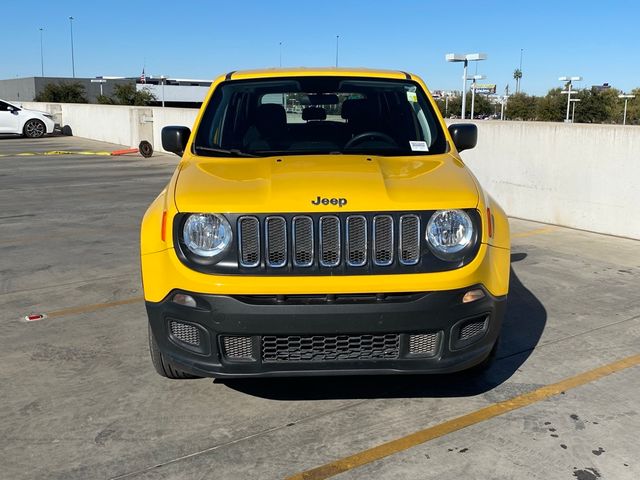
(322, 222)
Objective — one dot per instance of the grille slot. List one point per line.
(238, 348)
(302, 231)
(276, 244)
(249, 233)
(356, 241)
(383, 240)
(472, 329)
(185, 333)
(321, 348)
(330, 241)
(426, 344)
(409, 239)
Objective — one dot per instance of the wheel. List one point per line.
(162, 366)
(34, 128)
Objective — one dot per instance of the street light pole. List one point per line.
(626, 98)
(337, 44)
(473, 91)
(569, 81)
(41, 55)
(73, 62)
(280, 44)
(573, 110)
(466, 58)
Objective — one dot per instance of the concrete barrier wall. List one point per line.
(580, 176)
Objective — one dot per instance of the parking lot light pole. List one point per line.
(569, 81)
(473, 91)
(41, 54)
(465, 58)
(626, 99)
(73, 62)
(573, 109)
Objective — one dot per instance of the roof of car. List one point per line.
(316, 71)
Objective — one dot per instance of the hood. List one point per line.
(324, 183)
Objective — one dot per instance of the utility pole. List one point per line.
(73, 62)
(41, 55)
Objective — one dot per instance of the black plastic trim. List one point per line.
(228, 75)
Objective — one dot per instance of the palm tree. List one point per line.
(517, 75)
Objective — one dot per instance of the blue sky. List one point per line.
(200, 39)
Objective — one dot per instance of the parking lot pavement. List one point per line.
(80, 399)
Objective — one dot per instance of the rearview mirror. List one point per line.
(174, 139)
(464, 135)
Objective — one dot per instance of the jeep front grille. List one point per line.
(329, 241)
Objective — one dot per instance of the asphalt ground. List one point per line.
(79, 398)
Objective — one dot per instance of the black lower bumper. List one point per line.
(427, 332)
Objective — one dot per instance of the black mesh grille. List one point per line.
(383, 240)
(237, 347)
(424, 344)
(321, 348)
(409, 239)
(329, 241)
(303, 241)
(472, 329)
(356, 240)
(249, 229)
(276, 228)
(185, 333)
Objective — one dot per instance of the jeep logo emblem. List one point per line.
(340, 202)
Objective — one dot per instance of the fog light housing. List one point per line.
(473, 295)
(185, 300)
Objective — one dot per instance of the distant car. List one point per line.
(22, 121)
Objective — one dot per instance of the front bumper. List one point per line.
(318, 323)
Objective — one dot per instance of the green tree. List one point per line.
(104, 100)
(517, 75)
(521, 107)
(62, 92)
(127, 94)
(633, 108)
(551, 107)
(598, 106)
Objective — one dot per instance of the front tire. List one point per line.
(34, 128)
(160, 363)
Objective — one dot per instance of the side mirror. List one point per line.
(174, 139)
(464, 135)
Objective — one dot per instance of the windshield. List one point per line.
(316, 115)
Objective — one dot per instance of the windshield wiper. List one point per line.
(232, 152)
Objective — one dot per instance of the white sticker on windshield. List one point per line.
(412, 97)
(418, 146)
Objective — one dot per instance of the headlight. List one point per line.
(449, 233)
(207, 234)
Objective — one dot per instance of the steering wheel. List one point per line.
(360, 137)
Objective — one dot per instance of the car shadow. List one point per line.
(522, 328)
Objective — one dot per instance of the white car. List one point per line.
(22, 121)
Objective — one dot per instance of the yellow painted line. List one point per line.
(404, 443)
(537, 231)
(94, 307)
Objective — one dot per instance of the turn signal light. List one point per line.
(472, 296)
(186, 300)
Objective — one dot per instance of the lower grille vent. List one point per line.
(320, 348)
(238, 348)
(185, 333)
(425, 344)
(472, 329)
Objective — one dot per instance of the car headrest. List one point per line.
(314, 113)
(356, 108)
